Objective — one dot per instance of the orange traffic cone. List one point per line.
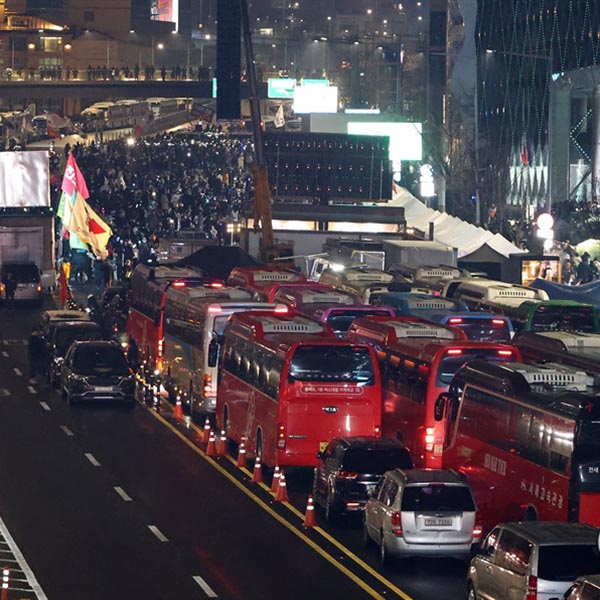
(275, 482)
(211, 449)
(257, 471)
(241, 458)
(222, 446)
(206, 430)
(309, 517)
(281, 495)
(178, 410)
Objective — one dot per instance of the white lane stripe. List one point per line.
(45, 406)
(66, 430)
(5, 353)
(158, 533)
(92, 459)
(18, 371)
(207, 589)
(35, 586)
(123, 494)
(31, 389)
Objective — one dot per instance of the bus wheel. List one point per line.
(530, 514)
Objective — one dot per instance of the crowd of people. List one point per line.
(160, 187)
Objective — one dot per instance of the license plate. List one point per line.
(438, 522)
(103, 389)
(322, 446)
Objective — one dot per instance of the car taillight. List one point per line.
(39, 289)
(429, 439)
(505, 352)
(455, 321)
(346, 475)
(478, 529)
(281, 435)
(499, 322)
(396, 523)
(531, 588)
(207, 385)
(454, 352)
(281, 309)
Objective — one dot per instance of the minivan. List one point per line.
(422, 512)
(533, 559)
(28, 278)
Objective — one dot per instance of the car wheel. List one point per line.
(330, 511)
(471, 594)
(383, 555)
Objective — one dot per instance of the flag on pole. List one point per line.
(279, 120)
(88, 225)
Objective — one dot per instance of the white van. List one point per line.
(28, 278)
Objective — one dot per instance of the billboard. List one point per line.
(165, 10)
(315, 99)
(281, 87)
(24, 180)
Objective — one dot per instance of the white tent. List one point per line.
(449, 230)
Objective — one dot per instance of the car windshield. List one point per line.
(333, 363)
(100, 360)
(566, 562)
(23, 273)
(66, 336)
(376, 460)
(438, 496)
(483, 329)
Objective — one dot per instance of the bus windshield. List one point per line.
(332, 363)
(588, 440)
(483, 329)
(450, 364)
(563, 318)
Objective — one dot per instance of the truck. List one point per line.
(416, 253)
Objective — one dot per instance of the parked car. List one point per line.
(350, 467)
(28, 280)
(97, 371)
(422, 512)
(49, 319)
(584, 588)
(63, 334)
(533, 559)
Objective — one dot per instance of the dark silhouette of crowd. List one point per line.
(163, 186)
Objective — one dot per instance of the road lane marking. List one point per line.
(205, 587)
(297, 532)
(31, 389)
(45, 406)
(123, 494)
(92, 459)
(158, 533)
(66, 430)
(33, 582)
(5, 353)
(18, 371)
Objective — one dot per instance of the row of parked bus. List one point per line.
(288, 364)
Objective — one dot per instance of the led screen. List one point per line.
(406, 142)
(24, 179)
(281, 87)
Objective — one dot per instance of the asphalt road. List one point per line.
(113, 503)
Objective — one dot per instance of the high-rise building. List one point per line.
(519, 47)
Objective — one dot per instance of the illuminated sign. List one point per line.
(406, 142)
(307, 82)
(281, 87)
(165, 10)
(315, 99)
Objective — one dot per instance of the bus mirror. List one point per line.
(213, 352)
(440, 406)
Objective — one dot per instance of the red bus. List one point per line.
(289, 386)
(574, 349)
(527, 438)
(267, 290)
(417, 362)
(336, 308)
(146, 298)
(248, 277)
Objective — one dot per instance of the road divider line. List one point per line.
(18, 371)
(31, 389)
(5, 353)
(158, 533)
(123, 494)
(92, 459)
(297, 532)
(205, 587)
(66, 430)
(45, 406)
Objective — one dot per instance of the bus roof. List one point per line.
(300, 298)
(188, 294)
(497, 292)
(248, 276)
(408, 302)
(167, 272)
(553, 387)
(269, 289)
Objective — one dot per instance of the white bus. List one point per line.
(487, 294)
(194, 322)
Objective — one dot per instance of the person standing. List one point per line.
(10, 287)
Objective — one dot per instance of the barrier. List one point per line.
(309, 517)
(241, 458)
(206, 430)
(275, 482)
(222, 447)
(211, 449)
(281, 495)
(257, 471)
(178, 410)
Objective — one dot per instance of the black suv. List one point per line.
(349, 469)
(62, 335)
(97, 371)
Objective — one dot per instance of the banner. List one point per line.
(24, 180)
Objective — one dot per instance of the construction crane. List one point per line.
(270, 250)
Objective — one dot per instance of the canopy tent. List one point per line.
(467, 238)
(218, 261)
(588, 293)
